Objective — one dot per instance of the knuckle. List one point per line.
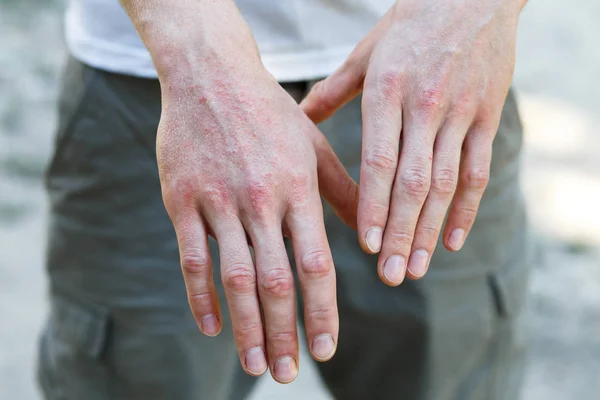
(277, 283)
(283, 338)
(318, 89)
(248, 330)
(195, 263)
(321, 314)
(200, 302)
(444, 182)
(463, 106)
(178, 192)
(428, 235)
(316, 264)
(382, 159)
(216, 194)
(240, 279)
(467, 214)
(399, 239)
(260, 196)
(430, 100)
(299, 188)
(376, 213)
(217, 197)
(389, 84)
(476, 178)
(487, 114)
(415, 182)
(169, 196)
(319, 92)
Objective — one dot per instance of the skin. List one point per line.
(434, 74)
(240, 161)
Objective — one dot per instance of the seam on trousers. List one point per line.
(67, 131)
(497, 296)
(133, 132)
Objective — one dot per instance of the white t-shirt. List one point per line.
(297, 39)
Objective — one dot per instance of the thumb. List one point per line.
(330, 94)
(335, 184)
(333, 92)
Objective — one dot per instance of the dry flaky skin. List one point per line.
(238, 158)
(564, 332)
(436, 74)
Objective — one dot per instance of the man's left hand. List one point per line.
(434, 74)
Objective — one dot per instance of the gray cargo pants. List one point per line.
(119, 326)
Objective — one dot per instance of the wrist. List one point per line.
(202, 56)
(182, 67)
(191, 41)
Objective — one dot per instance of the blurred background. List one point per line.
(558, 83)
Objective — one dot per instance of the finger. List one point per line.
(239, 281)
(196, 266)
(446, 162)
(335, 184)
(473, 180)
(382, 123)
(411, 187)
(317, 278)
(332, 93)
(277, 297)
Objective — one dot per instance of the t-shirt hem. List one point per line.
(305, 65)
(285, 67)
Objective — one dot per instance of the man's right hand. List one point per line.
(236, 160)
(239, 160)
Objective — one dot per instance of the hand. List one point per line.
(436, 74)
(238, 158)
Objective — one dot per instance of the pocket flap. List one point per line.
(81, 325)
(509, 289)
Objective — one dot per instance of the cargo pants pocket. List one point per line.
(71, 351)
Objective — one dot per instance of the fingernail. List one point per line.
(256, 362)
(210, 325)
(373, 239)
(456, 239)
(286, 369)
(393, 270)
(417, 264)
(323, 347)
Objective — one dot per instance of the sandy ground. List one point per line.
(557, 78)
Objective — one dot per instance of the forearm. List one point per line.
(190, 39)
